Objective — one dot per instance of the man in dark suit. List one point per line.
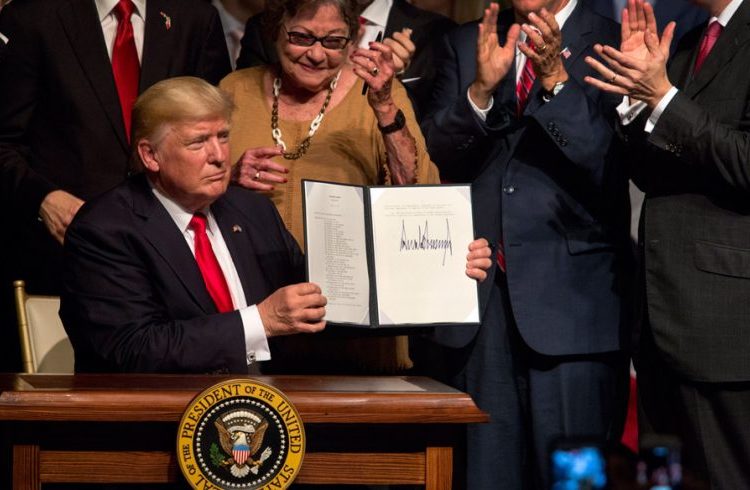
(62, 133)
(63, 139)
(172, 271)
(547, 360)
(425, 30)
(690, 144)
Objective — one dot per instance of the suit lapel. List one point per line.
(576, 36)
(161, 231)
(733, 40)
(681, 63)
(161, 34)
(239, 243)
(81, 24)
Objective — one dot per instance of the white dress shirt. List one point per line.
(376, 15)
(107, 17)
(628, 112)
(256, 344)
(561, 17)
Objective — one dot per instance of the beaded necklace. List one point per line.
(314, 125)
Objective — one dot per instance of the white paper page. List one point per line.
(336, 250)
(421, 237)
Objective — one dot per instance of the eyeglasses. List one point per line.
(307, 40)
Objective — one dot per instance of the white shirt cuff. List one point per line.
(659, 109)
(256, 343)
(481, 113)
(628, 112)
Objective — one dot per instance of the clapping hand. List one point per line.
(376, 67)
(545, 35)
(639, 69)
(493, 61)
(403, 49)
(637, 19)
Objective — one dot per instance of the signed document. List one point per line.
(391, 255)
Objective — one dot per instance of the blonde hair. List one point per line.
(177, 100)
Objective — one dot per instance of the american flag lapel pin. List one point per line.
(565, 53)
(167, 20)
(236, 229)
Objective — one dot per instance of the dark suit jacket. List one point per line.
(695, 170)
(548, 185)
(61, 124)
(134, 299)
(427, 27)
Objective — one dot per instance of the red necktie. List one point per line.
(500, 255)
(125, 65)
(209, 266)
(523, 87)
(707, 44)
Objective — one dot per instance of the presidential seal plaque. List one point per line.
(240, 434)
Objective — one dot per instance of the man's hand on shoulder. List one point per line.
(57, 211)
(298, 308)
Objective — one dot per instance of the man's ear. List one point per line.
(147, 152)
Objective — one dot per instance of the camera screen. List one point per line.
(659, 468)
(578, 468)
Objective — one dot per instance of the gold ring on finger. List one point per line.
(541, 49)
(612, 80)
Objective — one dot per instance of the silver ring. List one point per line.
(257, 175)
(374, 72)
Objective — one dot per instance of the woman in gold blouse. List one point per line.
(307, 118)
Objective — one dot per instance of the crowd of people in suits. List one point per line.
(158, 193)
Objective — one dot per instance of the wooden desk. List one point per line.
(122, 428)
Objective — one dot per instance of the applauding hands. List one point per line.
(639, 68)
(543, 46)
(493, 61)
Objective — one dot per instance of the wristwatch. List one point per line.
(397, 124)
(548, 94)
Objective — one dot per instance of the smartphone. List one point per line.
(578, 464)
(659, 466)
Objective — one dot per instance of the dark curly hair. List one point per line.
(277, 10)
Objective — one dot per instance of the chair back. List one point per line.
(45, 347)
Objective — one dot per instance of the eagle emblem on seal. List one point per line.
(241, 435)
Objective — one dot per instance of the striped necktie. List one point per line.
(523, 87)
